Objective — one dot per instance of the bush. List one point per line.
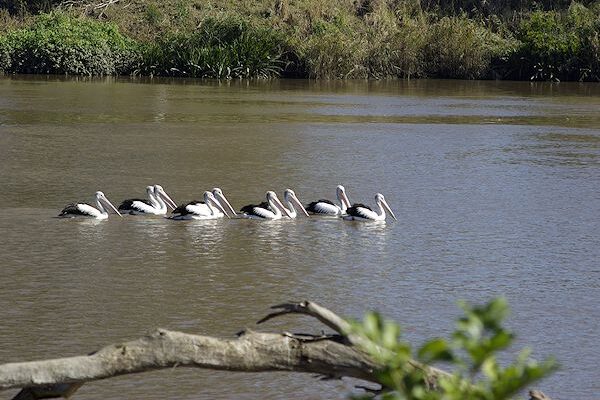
(5, 54)
(548, 45)
(585, 22)
(559, 46)
(395, 47)
(478, 337)
(333, 52)
(60, 44)
(228, 48)
(457, 47)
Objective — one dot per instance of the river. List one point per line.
(496, 186)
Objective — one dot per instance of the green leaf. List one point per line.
(435, 350)
(501, 340)
(389, 337)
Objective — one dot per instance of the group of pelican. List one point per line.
(215, 205)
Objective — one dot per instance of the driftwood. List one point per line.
(537, 395)
(330, 355)
(89, 7)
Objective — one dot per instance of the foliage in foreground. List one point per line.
(477, 375)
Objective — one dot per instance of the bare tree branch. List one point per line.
(251, 352)
(326, 355)
(331, 356)
(538, 395)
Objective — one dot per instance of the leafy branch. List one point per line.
(477, 375)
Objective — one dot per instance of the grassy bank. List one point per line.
(503, 39)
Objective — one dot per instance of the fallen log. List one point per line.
(334, 355)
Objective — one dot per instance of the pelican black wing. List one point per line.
(249, 209)
(182, 209)
(127, 205)
(72, 209)
(355, 210)
(312, 207)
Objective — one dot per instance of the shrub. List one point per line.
(333, 55)
(457, 47)
(227, 48)
(557, 45)
(5, 54)
(394, 46)
(60, 44)
(478, 337)
(585, 22)
(333, 50)
(548, 45)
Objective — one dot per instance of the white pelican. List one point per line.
(360, 212)
(212, 210)
(85, 210)
(292, 202)
(155, 205)
(202, 208)
(271, 209)
(327, 207)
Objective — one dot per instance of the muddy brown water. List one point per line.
(496, 186)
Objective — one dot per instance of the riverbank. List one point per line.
(307, 39)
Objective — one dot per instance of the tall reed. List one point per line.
(224, 48)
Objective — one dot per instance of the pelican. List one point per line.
(212, 209)
(327, 207)
(292, 202)
(155, 205)
(271, 209)
(202, 208)
(85, 210)
(360, 212)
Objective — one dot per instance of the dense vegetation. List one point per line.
(56, 43)
(466, 39)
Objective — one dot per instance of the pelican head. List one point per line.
(159, 191)
(210, 198)
(341, 195)
(274, 200)
(218, 193)
(102, 200)
(380, 200)
(290, 196)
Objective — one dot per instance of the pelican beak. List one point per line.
(111, 206)
(387, 207)
(281, 207)
(219, 206)
(222, 199)
(168, 199)
(345, 200)
(298, 204)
